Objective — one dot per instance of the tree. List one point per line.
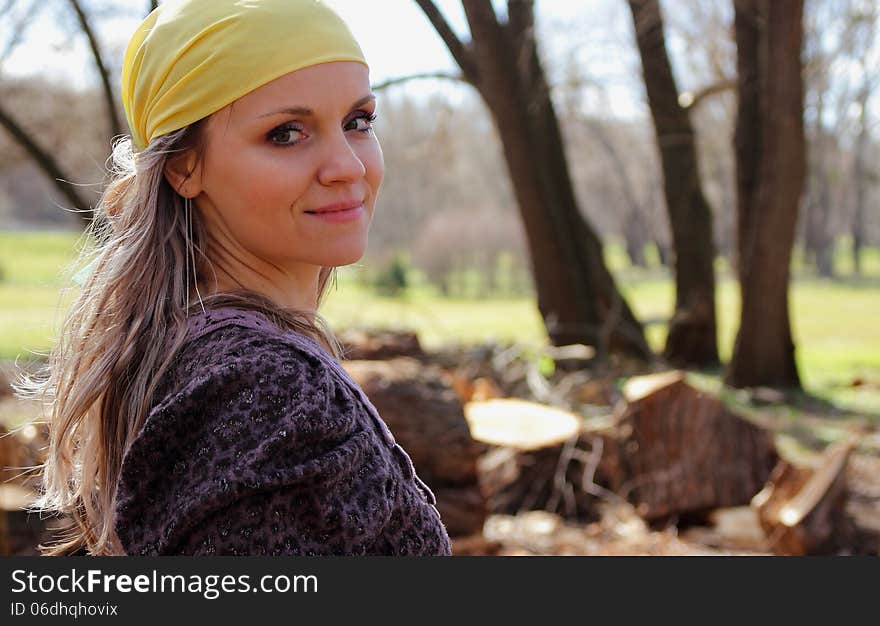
(41, 156)
(864, 21)
(692, 338)
(771, 166)
(577, 296)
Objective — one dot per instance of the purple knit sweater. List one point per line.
(260, 443)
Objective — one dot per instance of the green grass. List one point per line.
(834, 321)
(32, 268)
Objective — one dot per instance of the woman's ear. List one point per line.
(183, 173)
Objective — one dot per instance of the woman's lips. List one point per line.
(345, 215)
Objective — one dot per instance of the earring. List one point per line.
(190, 254)
(187, 244)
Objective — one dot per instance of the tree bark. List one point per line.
(692, 338)
(43, 159)
(657, 463)
(46, 162)
(577, 296)
(115, 127)
(770, 161)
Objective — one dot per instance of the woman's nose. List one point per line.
(340, 162)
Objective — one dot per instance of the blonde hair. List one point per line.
(121, 334)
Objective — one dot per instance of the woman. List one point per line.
(197, 402)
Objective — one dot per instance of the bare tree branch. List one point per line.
(20, 27)
(46, 163)
(460, 52)
(109, 98)
(426, 75)
(520, 19)
(690, 100)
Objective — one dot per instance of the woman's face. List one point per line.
(301, 143)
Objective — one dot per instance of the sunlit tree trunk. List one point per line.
(770, 161)
(692, 337)
(577, 296)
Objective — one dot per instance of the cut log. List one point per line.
(427, 418)
(670, 450)
(572, 357)
(680, 451)
(802, 509)
(13, 495)
(462, 508)
(542, 458)
(378, 345)
(21, 452)
(520, 424)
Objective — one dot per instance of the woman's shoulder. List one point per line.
(231, 333)
(245, 398)
(220, 343)
(266, 437)
(236, 370)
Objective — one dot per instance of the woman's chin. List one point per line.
(342, 257)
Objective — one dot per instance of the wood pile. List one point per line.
(675, 451)
(574, 443)
(801, 509)
(377, 345)
(19, 450)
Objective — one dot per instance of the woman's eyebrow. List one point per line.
(305, 111)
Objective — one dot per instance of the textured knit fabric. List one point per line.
(260, 443)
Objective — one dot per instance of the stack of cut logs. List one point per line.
(673, 452)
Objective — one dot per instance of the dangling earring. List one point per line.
(190, 254)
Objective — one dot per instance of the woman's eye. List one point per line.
(284, 135)
(363, 123)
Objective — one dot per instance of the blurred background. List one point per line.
(683, 193)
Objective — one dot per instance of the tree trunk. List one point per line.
(42, 158)
(115, 126)
(577, 296)
(47, 164)
(817, 238)
(770, 165)
(692, 338)
(861, 179)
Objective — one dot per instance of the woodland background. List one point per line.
(723, 222)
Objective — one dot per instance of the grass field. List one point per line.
(835, 323)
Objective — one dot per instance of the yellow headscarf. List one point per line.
(191, 58)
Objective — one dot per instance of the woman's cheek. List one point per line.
(374, 162)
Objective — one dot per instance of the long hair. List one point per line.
(121, 334)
